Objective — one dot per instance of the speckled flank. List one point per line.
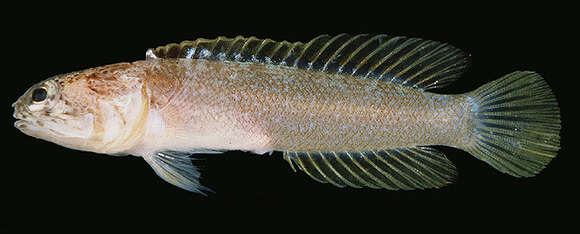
(263, 108)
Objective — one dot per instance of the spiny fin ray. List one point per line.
(411, 62)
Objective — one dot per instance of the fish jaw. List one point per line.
(53, 130)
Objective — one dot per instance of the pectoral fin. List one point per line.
(404, 168)
(177, 168)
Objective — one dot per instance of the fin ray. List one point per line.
(398, 169)
(320, 171)
(399, 180)
(338, 174)
(389, 182)
(365, 177)
(176, 168)
(516, 124)
(355, 178)
(412, 62)
(378, 179)
(404, 168)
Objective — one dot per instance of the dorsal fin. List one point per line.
(412, 62)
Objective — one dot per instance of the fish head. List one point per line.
(93, 110)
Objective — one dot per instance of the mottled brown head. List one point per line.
(91, 110)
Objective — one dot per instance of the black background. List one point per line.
(46, 182)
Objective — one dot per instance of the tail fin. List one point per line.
(516, 124)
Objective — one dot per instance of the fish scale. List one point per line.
(397, 119)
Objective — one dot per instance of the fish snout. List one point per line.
(19, 111)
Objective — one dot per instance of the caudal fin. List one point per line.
(516, 124)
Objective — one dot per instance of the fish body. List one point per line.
(257, 108)
(348, 110)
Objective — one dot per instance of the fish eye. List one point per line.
(39, 94)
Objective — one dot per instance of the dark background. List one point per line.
(51, 183)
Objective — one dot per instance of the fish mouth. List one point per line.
(29, 127)
(22, 119)
(19, 118)
(18, 124)
(21, 124)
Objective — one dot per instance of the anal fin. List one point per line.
(394, 169)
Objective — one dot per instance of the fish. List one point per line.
(356, 111)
